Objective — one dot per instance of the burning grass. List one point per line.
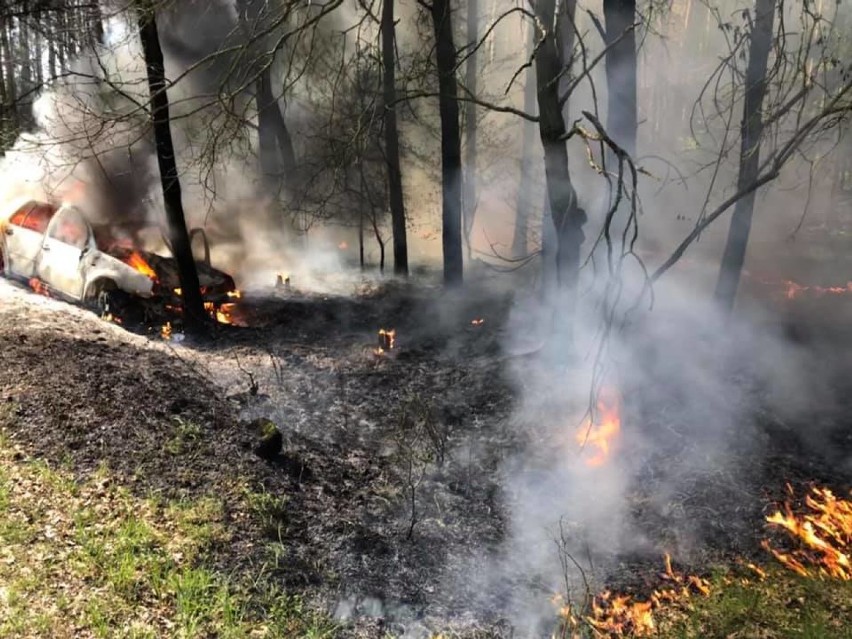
(821, 533)
(620, 615)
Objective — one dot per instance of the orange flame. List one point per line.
(622, 615)
(477, 322)
(598, 433)
(39, 287)
(140, 264)
(387, 340)
(222, 313)
(824, 535)
(792, 290)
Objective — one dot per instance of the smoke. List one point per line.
(92, 143)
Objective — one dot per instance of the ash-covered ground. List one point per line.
(411, 492)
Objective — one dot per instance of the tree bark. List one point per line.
(469, 197)
(525, 187)
(751, 133)
(271, 164)
(96, 24)
(277, 155)
(445, 51)
(621, 72)
(568, 217)
(193, 305)
(395, 196)
(11, 83)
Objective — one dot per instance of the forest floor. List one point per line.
(132, 503)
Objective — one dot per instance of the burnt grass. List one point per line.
(361, 433)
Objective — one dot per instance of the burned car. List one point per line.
(58, 252)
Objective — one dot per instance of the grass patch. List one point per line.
(90, 559)
(783, 606)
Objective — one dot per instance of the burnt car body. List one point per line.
(58, 250)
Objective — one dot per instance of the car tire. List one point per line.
(113, 303)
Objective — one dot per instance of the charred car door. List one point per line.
(24, 238)
(61, 262)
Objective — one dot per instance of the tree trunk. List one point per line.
(275, 136)
(568, 217)
(194, 316)
(471, 70)
(96, 24)
(395, 198)
(525, 187)
(751, 132)
(621, 72)
(11, 84)
(445, 51)
(52, 66)
(271, 166)
(277, 155)
(25, 56)
(361, 241)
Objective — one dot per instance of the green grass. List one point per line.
(783, 606)
(89, 558)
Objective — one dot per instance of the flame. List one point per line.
(792, 290)
(222, 313)
(39, 287)
(235, 295)
(166, 331)
(477, 322)
(823, 535)
(282, 280)
(387, 341)
(599, 431)
(613, 614)
(140, 264)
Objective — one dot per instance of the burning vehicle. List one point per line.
(58, 252)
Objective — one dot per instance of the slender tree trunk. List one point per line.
(37, 50)
(11, 84)
(525, 187)
(96, 24)
(62, 37)
(194, 316)
(568, 217)
(270, 164)
(277, 155)
(751, 133)
(276, 139)
(445, 51)
(25, 54)
(395, 197)
(471, 71)
(361, 240)
(52, 67)
(621, 72)
(4, 100)
(285, 144)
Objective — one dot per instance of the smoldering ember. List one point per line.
(429, 319)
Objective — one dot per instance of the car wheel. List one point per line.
(116, 305)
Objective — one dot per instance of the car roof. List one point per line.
(13, 206)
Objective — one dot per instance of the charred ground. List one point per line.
(361, 434)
